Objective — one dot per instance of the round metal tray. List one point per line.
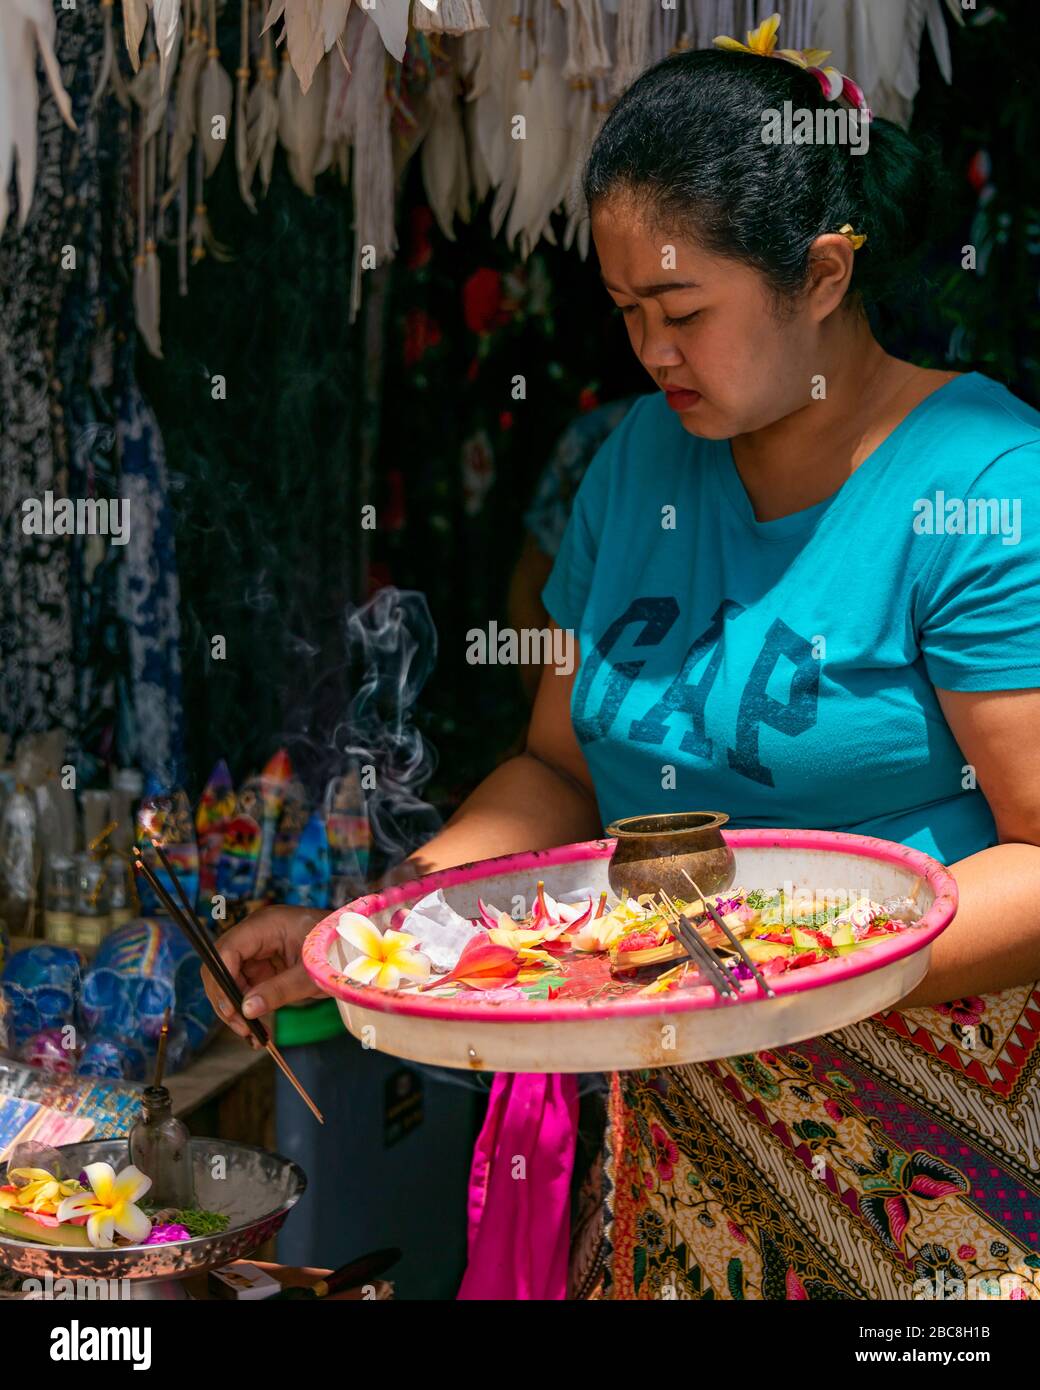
(257, 1191)
(469, 1031)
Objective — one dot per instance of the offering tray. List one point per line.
(257, 1193)
(603, 1028)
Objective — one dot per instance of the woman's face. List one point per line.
(706, 328)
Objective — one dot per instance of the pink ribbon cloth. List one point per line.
(520, 1190)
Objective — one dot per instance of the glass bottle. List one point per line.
(91, 902)
(59, 913)
(160, 1146)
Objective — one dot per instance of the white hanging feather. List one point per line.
(145, 89)
(185, 109)
(25, 26)
(242, 74)
(304, 38)
(516, 82)
(333, 21)
(146, 262)
(478, 169)
(448, 16)
(391, 19)
(443, 155)
(108, 71)
(578, 225)
(494, 74)
(580, 120)
(203, 241)
(301, 123)
(263, 118)
(367, 121)
(135, 17)
(587, 53)
(551, 171)
(166, 16)
(632, 52)
(336, 133)
(214, 109)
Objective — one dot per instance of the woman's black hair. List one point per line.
(686, 140)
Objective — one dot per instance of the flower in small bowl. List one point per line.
(163, 1235)
(110, 1206)
(386, 958)
(36, 1189)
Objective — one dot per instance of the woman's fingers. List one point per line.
(290, 987)
(262, 955)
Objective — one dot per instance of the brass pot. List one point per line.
(652, 851)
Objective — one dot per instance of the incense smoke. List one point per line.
(391, 642)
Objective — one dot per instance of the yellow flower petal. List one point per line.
(130, 1185)
(731, 45)
(131, 1222)
(101, 1177)
(392, 940)
(80, 1205)
(364, 970)
(763, 39)
(27, 1175)
(389, 977)
(99, 1230)
(360, 932)
(413, 965)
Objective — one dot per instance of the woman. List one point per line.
(779, 615)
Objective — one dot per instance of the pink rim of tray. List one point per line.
(934, 921)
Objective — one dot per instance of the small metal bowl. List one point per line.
(257, 1192)
(652, 852)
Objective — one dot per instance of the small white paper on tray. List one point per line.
(441, 931)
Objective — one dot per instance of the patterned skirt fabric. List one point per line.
(896, 1159)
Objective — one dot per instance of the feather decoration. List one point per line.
(135, 18)
(145, 89)
(580, 121)
(515, 87)
(214, 101)
(448, 16)
(25, 26)
(493, 74)
(337, 134)
(334, 15)
(185, 105)
(301, 122)
(550, 171)
(242, 74)
(304, 39)
(587, 54)
(166, 16)
(367, 121)
(600, 110)
(263, 117)
(108, 72)
(146, 260)
(203, 241)
(632, 52)
(443, 158)
(391, 19)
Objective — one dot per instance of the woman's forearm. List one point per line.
(523, 804)
(994, 941)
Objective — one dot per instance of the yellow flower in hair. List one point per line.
(761, 40)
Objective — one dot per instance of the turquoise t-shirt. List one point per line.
(784, 671)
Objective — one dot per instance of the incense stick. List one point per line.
(214, 963)
(160, 1059)
(734, 941)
